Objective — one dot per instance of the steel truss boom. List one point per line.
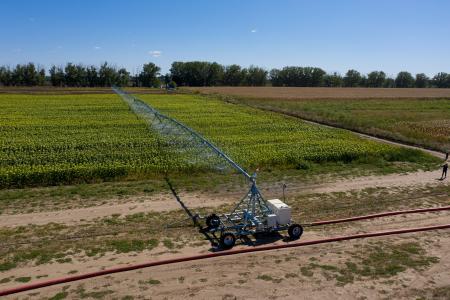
(166, 122)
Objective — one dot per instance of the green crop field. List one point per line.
(257, 139)
(424, 122)
(53, 139)
(59, 139)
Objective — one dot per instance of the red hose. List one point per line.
(38, 285)
(379, 215)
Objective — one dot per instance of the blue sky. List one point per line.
(334, 35)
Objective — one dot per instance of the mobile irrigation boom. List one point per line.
(251, 215)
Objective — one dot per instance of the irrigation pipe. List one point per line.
(48, 283)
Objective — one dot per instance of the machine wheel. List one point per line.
(295, 231)
(212, 221)
(227, 240)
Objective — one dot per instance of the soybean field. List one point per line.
(414, 116)
(61, 139)
(259, 139)
(54, 139)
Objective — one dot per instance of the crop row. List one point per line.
(54, 139)
(58, 139)
(259, 139)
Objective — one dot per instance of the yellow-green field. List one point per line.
(59, 139)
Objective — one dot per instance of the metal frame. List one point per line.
(249, 215)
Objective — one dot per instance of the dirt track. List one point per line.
(166, 202)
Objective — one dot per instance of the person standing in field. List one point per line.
(444, 170)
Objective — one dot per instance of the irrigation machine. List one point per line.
(252, 215)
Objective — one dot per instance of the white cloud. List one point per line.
(253, 30)
(155, 53)
(97, 47)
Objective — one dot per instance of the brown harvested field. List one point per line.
(50, 90)
(323, 93)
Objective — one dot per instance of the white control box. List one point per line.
(281, 210)
(272, 220)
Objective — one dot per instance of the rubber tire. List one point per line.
(227, 240)
(212, 221)
(295, 231)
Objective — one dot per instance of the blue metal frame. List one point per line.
(249, 214)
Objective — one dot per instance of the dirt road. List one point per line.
(166, 202)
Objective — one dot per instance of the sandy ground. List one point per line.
(236, 277)
(82, 215)
(165, 202)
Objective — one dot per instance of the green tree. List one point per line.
(275, 77)
(317, 75)
(404, 80)
(213, 74)
(352, 78)
(149, 75)
(256, 76)
(333, 80)
(81, 76)
(297, 76)
(123, 78)
(177, 72)
(441, 80)
(41, 77)
(26, 75)
(92, 79)
(57, 77)
(233, 75)
(197, 73)
(363, 81)
(389, 83)
(5, 76)
(71, 75)
(291, 76)
(421, 80)
(376, 79)
(107, 75)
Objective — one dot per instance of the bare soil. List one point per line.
(324, 93)
(166, 202)
(268, 275)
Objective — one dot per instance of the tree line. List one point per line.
(78, 75)
(202, 73)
